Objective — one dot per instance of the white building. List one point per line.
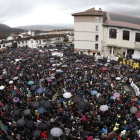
(107, 33)
(88, 30)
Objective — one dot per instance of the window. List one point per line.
(137, 37)
(113, 33)
(96, 46)
(96, 38)
(126, 35)
(96, 19)
(97, 27)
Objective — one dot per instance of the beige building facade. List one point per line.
(107, 33)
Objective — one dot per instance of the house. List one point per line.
(107, 33)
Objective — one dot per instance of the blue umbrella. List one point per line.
(94, 92)
(80, 61)
(77, 68)
(40, 90)
(41, 110)
(101, 64)
(30, 82)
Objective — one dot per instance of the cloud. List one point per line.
(24, 12)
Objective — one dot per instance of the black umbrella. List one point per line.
(36, 133)
(43, 126)
(16, 112)
(30, 124)
(59, 79)
(47, 105)
(27, 112)
(77, 99)
(20, 122)
(54, 83)
(42, 102)
(82, 104)
(34, 87)
(35, 104)
(100, 99)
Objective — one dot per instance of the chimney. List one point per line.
(100, 9)
(90, 10)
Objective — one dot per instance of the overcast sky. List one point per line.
(39, 12)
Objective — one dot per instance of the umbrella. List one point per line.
(42, 102)
(27, 112)
(43, 126)
(2, 87)
(31, 82)
(49, 80)
(77, 99)
(1, 77)
(10, 82)
(111, 135)
(18, 68)
(40, 90)
(116, 67)
(47, 104)
(94, 92)
(118, 78)
(21, 122)
(133, 109)
(35, 104)
(80, 61)
(41, 110)
(54, 83)
(105, 78)
(16, 100)
(67, 95)
(82, 104)
(34, 87)
(42, 80)
(52, 77)
(30, 124)
(59, 79)
(104, 69)
(64, 66)
(137, 114)
(112, 75)
(138, 75)
(103, 108)
(36, 133)
(15, 78)
(101, 99)
(116, 95)
(101, 64)
(131, 70)
(16, 112)
(59, 71)
(56, 132)
(105, 84)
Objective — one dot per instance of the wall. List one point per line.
(85, 32)
(123, 44)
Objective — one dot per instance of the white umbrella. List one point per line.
(98, 94)
(103, 108)
(67, 95)
(15, 78)
(2, 87)
(56, 132)
(52, 77)
(118, 78)
(10, 82)
(53, 65)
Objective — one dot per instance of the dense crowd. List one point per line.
(79, 97)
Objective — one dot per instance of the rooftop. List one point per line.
(90, 12)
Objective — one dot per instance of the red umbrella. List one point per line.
(104, 69)
(48, 64)
(137, 114)
(111, 135)
(1, 78)
(18, 68)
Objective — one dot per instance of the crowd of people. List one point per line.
(80, 98)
